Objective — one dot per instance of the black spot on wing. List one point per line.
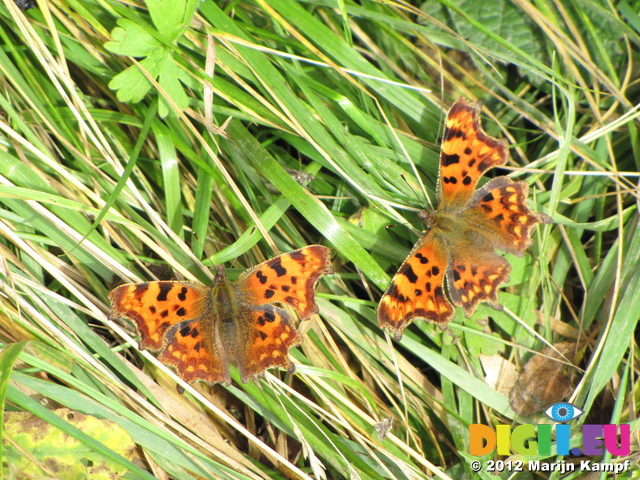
(165, 288)
(269, 316)
(294, 302)
(450, 159)
(276, 266)
(453, 133)
(396, 295)
(140, 290)
(182, 296)
(423, 260)
(298, 256)
(408, 272)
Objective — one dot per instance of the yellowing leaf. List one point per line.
(37, 448)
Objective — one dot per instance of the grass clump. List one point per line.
(157, 140)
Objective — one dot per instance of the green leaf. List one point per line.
(171, 85)
(132, 85)
(168, 17)
(130, 39)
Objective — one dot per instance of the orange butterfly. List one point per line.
(463, 232)
(199, 330)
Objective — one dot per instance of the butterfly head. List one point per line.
(427, 217)
(220, 275)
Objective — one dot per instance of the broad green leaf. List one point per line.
(168, 17)
(132, 40)
(132, 85)
(171, 85)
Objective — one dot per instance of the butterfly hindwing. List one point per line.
(268, 336)
(190, 347)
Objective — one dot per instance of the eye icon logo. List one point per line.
(563, 412)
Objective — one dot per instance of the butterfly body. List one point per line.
(202, 330)
(463, 232)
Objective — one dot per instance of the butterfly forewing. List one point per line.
(289, 279)
(467, 153)
(416, 291)
(157, 306)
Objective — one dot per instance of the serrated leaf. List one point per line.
(167, 16)
(171, 85)
(132, 40)
(131, 85)
(502, 18)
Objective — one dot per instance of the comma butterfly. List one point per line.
(463, 232)
(199, 330)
